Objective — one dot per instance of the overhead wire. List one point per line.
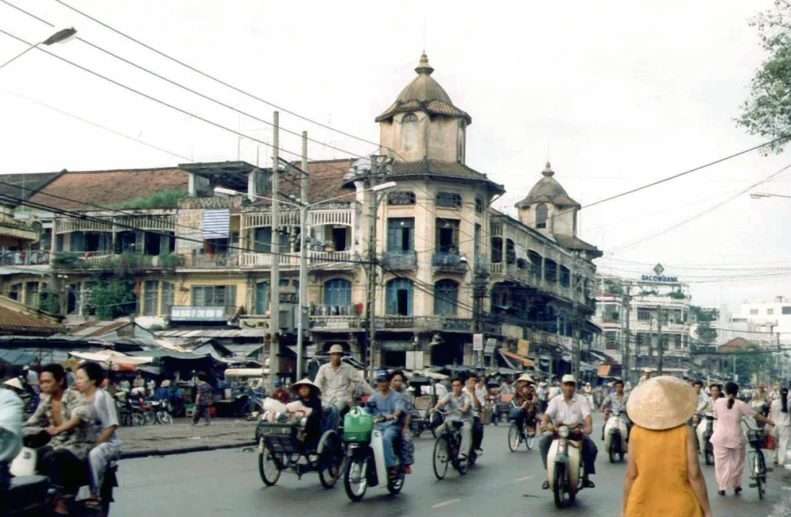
(179, 85)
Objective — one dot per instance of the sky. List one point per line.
(616, 94)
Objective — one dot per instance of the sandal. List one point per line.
(92, 502)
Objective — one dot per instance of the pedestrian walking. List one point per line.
(203, 400)
(730, 445)
(663, 476)
(782, 420)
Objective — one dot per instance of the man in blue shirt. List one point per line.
(389, 406)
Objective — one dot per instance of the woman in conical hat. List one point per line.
(663, 475)
(309, 394)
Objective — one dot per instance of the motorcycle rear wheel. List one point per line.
(394, 485)
(164, 418)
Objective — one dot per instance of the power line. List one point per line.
(94, 124)
(212, 78)
(179, 85)
(149, 97)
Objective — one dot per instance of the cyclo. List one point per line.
(281, 449)
(422, 419)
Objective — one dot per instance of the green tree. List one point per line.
(707, 334)
(753, 362)
(113, 299)
(767, 111)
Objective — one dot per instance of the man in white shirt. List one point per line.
(478, 397)
(337, 382)
(703, 401)
(458, 406)
(11, 416)
(572, 410)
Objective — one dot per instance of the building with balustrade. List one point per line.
(448, 265)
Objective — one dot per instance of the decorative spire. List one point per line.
(424, 67)
(548, 172)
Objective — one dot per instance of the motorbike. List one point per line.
(706, 448)
(31, 494)
(365, 463)
(615, 435)
(564, 465)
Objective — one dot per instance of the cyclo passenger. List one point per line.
(617, 403)
(478, 396)
(390, 407)
(336, 382)
(308, 393)
(570, 409)
(524, 402)
(459, 409)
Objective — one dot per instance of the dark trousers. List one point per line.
(201, 412)
(477, 433)
(62, 467)
(5, 477)
(589, 452)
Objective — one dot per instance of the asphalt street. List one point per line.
(503, 483)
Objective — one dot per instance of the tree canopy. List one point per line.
(767, 111)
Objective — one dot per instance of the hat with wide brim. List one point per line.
(336, 349)
(662, 403)
(305, 382)
(526, 378)
(14, 383)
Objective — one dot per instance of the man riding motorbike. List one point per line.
(459, 409)
(337, 380)
(570, 409)
(716, 393)
(617, 403)
(389, 406)
(478, 397)
(12, 412)
(703, 402)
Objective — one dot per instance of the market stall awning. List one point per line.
(110, 357)
(170, 354)
(524, 361)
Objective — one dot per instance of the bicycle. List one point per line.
(447, 449)
(756, 437)
(525, 433)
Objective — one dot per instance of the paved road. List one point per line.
(503, 484)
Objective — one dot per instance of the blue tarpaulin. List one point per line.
(16, 357)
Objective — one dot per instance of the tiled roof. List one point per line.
(575, 243)
(25, 185)
(441, 169)
(548, 190)
(433, 107)
(13, 321)
(325, 181)
(107, 188)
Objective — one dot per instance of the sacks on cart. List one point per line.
(278, 413)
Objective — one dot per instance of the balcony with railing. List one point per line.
(24, 258)
(128, 262)
(400, 260)
(449, 263)
(424, 323)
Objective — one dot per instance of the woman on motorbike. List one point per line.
(69, 424)
(407, 452)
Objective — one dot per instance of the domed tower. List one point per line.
(548, 208)
(423, 123)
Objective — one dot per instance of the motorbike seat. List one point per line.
(26, 490)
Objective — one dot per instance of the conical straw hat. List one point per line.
(662, 403)
(305, 382)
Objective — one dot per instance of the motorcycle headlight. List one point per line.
(563, 432)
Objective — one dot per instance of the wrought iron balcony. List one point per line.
(449, 263)
(400, 260)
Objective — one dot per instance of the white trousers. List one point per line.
(99, 457)
(781, 448)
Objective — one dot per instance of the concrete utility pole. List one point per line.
(659, 333)
(575, 344)
(627, 337)
(303, 257)
(274, 281)
(371, 266)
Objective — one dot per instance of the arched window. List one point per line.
(338, 291)
(399, 297)
(446, 298)
(542, 213)
(409, 130)
(262, 298)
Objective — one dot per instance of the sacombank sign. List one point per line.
(657, 278)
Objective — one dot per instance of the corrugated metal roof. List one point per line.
(204, 333)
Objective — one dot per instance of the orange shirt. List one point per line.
(661, 488)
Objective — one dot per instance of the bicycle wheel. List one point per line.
(164, 418)
(150, 418)
(138, 419)
(530, 438)
(513, 437)
(760, 474)
(441, 458)
(267, 466)
(331, 460)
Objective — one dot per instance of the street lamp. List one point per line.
(303, 252)
(764, 195)
(62, 36)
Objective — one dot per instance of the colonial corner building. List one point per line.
(448, 265)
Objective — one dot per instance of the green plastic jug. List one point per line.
(358, 425)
